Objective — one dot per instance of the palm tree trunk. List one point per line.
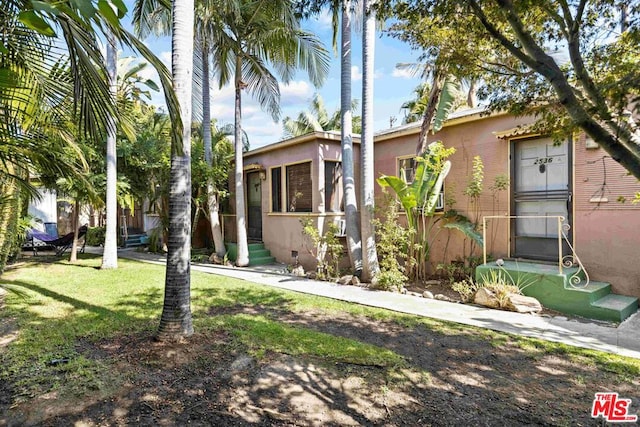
(432, 103)
(176, 321)
(73, 256)
(370, 267)
(110, 253)
(212, 197)
(354, 244)
(9, 213)
(243, 247)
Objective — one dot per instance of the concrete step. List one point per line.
(258, 254)
(616, 307)
(595, 290)
(134, 240)
(261, 260)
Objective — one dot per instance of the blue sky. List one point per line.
(392, 87)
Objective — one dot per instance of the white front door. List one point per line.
(541, 187)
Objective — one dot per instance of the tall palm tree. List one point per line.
(206, 23)
(176, 321)
(253, 35)
(370, 267)
(354, 243)
(317, 119)
(110, 253)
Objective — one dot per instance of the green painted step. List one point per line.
(258, 254)
(552, 288)
(261, 260)
(618, 306)
(136, 240)
(595, 290)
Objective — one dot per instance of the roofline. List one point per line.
(456, 118)
(312, 136)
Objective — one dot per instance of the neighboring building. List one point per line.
(576, 180)
(289, 180)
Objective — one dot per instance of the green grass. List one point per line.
(57, 305)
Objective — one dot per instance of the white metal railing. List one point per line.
(563, 261)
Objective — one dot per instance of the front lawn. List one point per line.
(76, 347)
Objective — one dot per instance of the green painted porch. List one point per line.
(554, 291)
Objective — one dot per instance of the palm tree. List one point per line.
(354, 243)
(176, 321)
(370, 266)
(253, 35)
(414, 108)
(110, 253)
(317, 119)
(205, 25)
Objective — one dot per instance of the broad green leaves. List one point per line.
(34, 21)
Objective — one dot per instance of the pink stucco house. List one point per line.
(574, 180)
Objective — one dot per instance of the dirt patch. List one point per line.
(449, 378)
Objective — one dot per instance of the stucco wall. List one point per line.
(282, 231)
(606, 230)
(469, 139)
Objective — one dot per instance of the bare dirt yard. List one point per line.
(451, 376)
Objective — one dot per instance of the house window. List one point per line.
(299, 188)
(333, 191)
(407, 171)
(276, 189)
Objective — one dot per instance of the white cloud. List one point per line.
(403, 73)
(356, 75)
(149, 72)
(295, 93)
(165, 57)
(324, 20)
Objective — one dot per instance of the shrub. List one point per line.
(155, 240)
(500, 284)
(327, 249)
(467, 288)
(96, 235)
(393, 242)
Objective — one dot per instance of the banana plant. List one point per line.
(420, 197)
(419, 200)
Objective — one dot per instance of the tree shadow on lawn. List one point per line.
(453, 375)
(487, 377)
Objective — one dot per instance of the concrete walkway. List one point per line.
(623, 339)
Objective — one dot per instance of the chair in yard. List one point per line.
(61, 244)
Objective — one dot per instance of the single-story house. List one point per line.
(567, 209)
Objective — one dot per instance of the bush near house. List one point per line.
(96, 236)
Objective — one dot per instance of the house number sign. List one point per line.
(543, 160)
